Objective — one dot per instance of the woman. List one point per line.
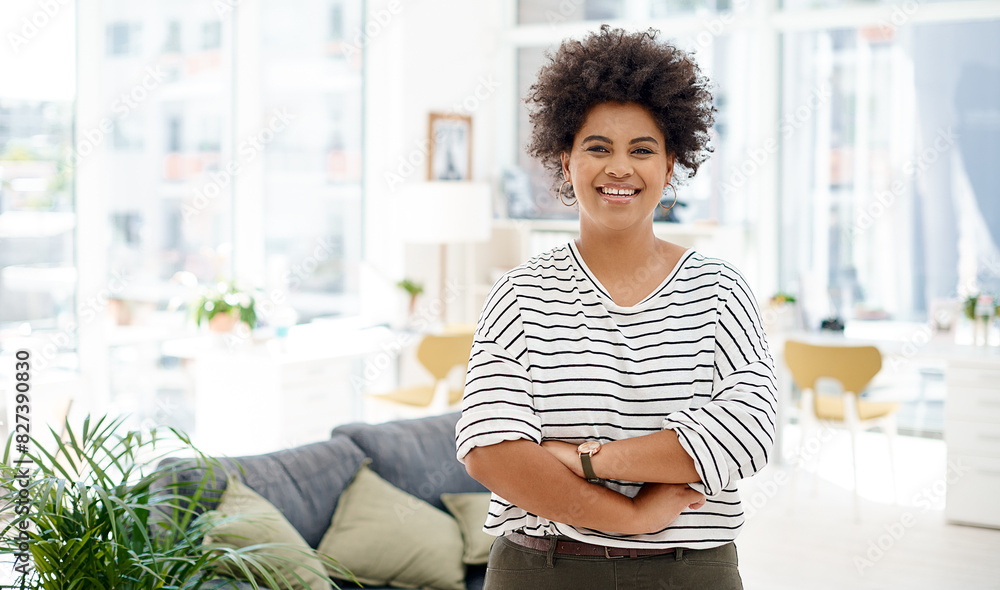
(619, 386)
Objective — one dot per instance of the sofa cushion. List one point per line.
(470, 512)
(385, 536)
(244, 518)
(303, 483)
(417, 456)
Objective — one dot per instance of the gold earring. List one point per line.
(675, 198)
(563, 201)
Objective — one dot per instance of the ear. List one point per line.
(564, 158)
(670, 167)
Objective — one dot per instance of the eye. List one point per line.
(643, 151)
(597, 148)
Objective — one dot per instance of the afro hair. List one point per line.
(613, 65)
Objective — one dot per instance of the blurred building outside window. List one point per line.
(174, 127)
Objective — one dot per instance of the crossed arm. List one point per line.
(656, 457)
(547, 480)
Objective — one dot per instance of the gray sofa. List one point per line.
(417, 456)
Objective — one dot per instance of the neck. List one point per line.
(624, 249)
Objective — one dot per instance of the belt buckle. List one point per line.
(608, 555)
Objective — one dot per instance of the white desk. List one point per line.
(972, 409)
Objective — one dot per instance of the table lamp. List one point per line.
(444, 212)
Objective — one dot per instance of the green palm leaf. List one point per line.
(108, 514)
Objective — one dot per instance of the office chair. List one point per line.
(852, 369)
(439, 354)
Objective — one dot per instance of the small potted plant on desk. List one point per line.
(782, 313)
(223, 307)
(980, 308)
(414, 290)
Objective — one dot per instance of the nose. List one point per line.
(619, 166)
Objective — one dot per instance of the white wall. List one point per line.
(423, 56)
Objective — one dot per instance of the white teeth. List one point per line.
(619, 192)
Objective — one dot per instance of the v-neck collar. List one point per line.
(606, 295)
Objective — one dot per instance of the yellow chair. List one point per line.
(439, 354)
(852, 368)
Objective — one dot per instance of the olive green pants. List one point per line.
(513, 567)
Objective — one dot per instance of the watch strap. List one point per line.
(588, 468)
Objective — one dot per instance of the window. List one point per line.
(210, 134)
(173, 42)
(225, 167)
(896, 152)
(38, 221)
(211, 35)
(123, 38)
(312, 164)
(127, 134)
(152, 183)
(337, 22)
(175, 125)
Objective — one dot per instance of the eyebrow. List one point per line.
(606, 140)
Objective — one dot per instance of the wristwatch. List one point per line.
(588, 450)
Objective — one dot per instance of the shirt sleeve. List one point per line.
(497, 405)
(732, 436)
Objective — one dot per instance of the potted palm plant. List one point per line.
(100, 511)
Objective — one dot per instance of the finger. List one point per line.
(696, 495)
(696, 505)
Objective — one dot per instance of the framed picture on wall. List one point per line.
(450, 147)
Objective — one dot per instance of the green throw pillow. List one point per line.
(470, 512)
(386, 537)
(263, 523)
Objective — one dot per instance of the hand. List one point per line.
(659, 504)
(566, 454)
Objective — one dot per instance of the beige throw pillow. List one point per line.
(387, 537)
(470, 511)
(261, 522)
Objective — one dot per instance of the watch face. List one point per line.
(590, 447)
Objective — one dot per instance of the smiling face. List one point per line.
(618, 166)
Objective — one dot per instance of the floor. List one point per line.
(801, 530)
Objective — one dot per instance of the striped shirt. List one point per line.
(555, 358)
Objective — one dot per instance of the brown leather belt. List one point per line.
(582, 549)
